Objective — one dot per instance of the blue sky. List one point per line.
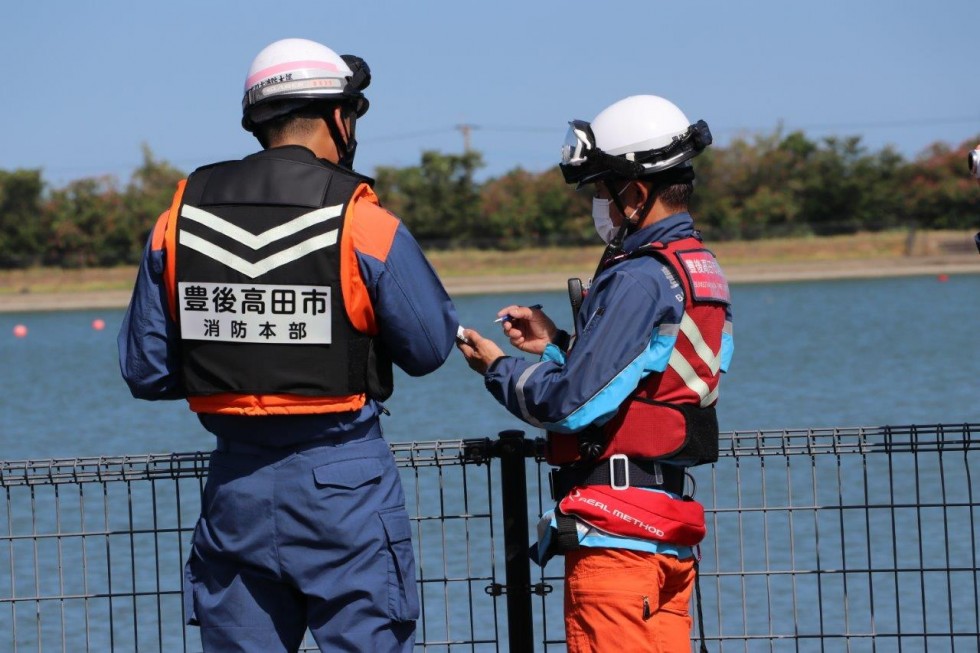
(86, 83)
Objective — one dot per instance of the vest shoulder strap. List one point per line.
(694, 264)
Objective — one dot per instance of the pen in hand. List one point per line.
(508, 318)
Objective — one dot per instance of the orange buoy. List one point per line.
(20, 331)
(943, 277)
(98, 324)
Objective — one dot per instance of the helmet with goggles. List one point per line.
(292, 73)
(637, 137)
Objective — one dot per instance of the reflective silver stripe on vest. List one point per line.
(684, 369)
(253, 241)
(526, 416)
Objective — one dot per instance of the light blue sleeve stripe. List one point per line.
(658, 353)
(600, 408)
(727, 349)
(553, 353)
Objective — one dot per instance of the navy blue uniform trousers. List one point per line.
(315, 537)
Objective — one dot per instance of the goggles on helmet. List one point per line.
(583, 162)
(359, 80)
(578, 141)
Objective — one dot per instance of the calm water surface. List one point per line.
(841, 353)
(814, 354)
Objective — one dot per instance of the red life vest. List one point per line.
(670, 416)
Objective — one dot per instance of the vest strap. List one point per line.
(567, 536)
(618, 472)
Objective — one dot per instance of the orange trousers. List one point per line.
(622, 601)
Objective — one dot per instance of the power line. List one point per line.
(407, 135)
(466, 130)
(523, 129)
(880, 124)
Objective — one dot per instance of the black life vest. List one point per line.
(258, 288)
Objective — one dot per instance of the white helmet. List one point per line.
(638, 136)
(292, 73)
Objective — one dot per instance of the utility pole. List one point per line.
(465, 129)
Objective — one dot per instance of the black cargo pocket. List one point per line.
(403, 599)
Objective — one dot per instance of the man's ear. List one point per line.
(637, 194)
(338, 118)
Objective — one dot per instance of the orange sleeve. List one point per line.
(368, 229)
(159, 231)
(170, 247)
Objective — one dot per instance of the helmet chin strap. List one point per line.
(628, 226)
(632, 222)
(345, 146)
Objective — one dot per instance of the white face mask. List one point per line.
(603, 222)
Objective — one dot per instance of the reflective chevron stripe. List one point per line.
(262, 266)
(261, 240)
(710, 358)
(255, 242)
(684, 369)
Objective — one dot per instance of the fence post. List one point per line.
(513, 487)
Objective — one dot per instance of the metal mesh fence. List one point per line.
(850, 539)
(844, 540)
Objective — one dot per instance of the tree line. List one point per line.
(758, 186)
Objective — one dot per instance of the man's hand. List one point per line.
(527, 328)
(480, 352)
